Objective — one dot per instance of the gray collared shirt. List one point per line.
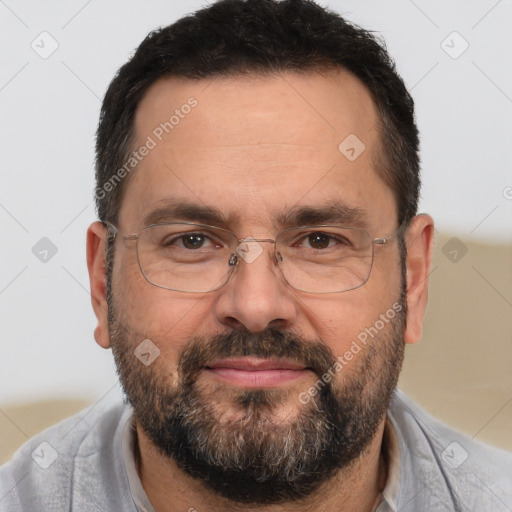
(86, 464)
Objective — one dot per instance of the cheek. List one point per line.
(341, 321)
(169, 319)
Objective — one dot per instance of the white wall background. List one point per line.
(49, 112)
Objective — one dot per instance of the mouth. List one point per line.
(256, 373)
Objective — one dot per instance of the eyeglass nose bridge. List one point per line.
(247, 254)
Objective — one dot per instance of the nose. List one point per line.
(256, 296)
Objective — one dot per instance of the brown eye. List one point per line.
(319, 240)
(193, 241)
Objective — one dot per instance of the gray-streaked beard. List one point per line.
(249, 455)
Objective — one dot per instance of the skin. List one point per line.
(254, 147)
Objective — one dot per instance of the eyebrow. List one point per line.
(178, 210)
(332, 212)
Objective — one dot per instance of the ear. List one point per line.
(420, 243)
(96, 263)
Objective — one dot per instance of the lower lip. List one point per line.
(257, 378)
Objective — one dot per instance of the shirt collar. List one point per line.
(387, 501)
(139, 495)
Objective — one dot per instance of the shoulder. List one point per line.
(42, 473)
(436, 459)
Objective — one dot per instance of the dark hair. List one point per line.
(234, 37)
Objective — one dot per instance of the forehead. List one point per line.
(255, 146)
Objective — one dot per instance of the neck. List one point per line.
(355, 488)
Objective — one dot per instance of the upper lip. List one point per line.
(256, 364)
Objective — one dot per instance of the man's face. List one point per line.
(254, 149)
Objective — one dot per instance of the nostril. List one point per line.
(233, 260)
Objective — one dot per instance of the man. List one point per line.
(257, 268)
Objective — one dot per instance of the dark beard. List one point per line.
(248, 456)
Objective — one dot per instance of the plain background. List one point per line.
(49, 112)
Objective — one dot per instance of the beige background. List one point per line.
(460, 372)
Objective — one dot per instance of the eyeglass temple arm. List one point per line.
(112, 231)
(386, 239)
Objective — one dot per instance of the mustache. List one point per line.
(271, 343)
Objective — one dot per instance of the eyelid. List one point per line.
(301, 236)
(171, 239)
